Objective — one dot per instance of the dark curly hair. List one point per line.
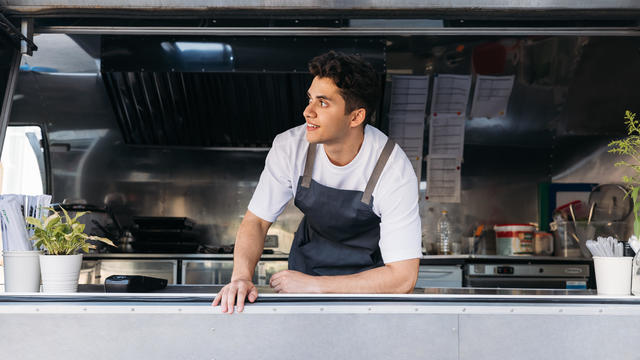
(356, 79)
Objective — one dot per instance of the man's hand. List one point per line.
(237, 288)
(290, 281)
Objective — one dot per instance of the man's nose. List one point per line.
(309, 112)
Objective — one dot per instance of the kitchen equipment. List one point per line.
(133, 283)
(566, 245)
(164, 234)
(610, 203)
(166, 268)
(514, 239)
(219, 271)
(605, 247)
(439, 276)
(573, 210)
(543, 243)
(541, 276)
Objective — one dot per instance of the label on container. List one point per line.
(521, 241)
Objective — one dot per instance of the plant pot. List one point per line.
(60, 272)
(21, 271)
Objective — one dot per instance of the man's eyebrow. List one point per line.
(320, 96)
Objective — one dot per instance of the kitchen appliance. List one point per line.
(540, 276)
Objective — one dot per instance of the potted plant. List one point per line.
(61, 238)
(630, 146)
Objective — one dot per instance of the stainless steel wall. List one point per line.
(554, 125)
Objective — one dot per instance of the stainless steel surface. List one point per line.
(206, 272)
(319, 6)
(95, 272)
(238, 31)
(538, 271)
(504, 161)
(220, 271)
(439, 276)
(442, 326)
(212, 187)
(538, 275)
(206, 292)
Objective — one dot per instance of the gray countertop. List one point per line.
(204, 294)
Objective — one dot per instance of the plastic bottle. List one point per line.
(444, 234)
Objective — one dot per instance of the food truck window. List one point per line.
(22, 163)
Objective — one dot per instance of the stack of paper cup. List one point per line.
(21, 271)
(613, 274)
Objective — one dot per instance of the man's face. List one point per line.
(325, 114)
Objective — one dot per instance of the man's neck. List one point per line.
(345, 150)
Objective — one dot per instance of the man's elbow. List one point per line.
(408, 284)
(406, 275)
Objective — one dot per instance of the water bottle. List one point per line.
(444, 234)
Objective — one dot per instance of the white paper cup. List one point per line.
(21, 271)
(613, 275)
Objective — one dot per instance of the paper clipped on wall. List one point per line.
(450, 95)
(443, 178)
(491, 96)
(446, 136)
(409, 96)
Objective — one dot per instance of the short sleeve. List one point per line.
(274, 189)
(397, 201)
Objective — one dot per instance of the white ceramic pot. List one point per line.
(60, 272)
(21, 271)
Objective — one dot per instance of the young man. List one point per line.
(361, 230)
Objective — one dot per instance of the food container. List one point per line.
(514, 239)
(543, 243)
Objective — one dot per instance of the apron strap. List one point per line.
(377, 171)
(308, 165)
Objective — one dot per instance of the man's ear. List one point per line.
(357, 117)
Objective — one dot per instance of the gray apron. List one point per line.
(339, 232)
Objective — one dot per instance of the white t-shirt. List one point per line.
(395, 197)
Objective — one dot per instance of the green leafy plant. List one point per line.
(62, 235)
(630, 146)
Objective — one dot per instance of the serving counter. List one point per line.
(179, 322)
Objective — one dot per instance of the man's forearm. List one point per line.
(248, 247)
(396, 278)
